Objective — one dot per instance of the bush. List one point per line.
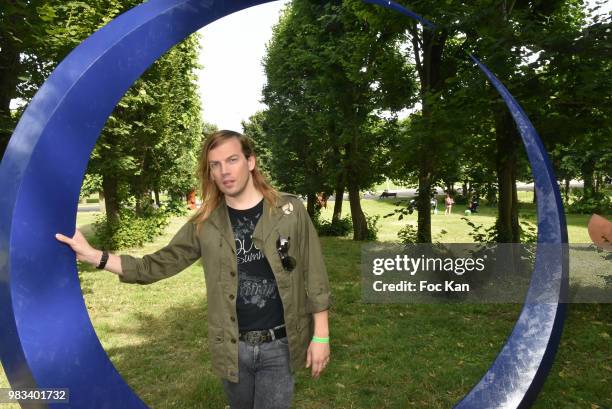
(407, 234)
(598, 203)
(479, 233)
(460, 199)
(529, 232)
(372, 222)
(340, 228)
(177, 207)
(345, 225)
(130, 231)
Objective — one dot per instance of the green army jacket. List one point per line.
(303, 291)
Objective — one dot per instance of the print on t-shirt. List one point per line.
(258, 304)
(252, 289)
(246, 251)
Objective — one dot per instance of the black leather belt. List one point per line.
(259, 337)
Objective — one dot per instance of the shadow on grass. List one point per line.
(166, 359)
(581, 293)
(430, 356)
(86, 284)
(383, 356)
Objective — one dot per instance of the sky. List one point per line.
(232, 50)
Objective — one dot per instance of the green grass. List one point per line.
(457, 231)
(383, 356)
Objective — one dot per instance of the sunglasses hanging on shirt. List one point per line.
(282, 246)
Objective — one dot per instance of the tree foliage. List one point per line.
(333, 72)
(150, 142)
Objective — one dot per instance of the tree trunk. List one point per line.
(587, 169)
(360, 226)
(311, 199)
(567, 191)
(138, 208)
(340, 175)
(111, 196)
(507, 215)
(157, 201)
(491, 194)
(507, 153)
(338, 194)
(429, 68)
(423, 204)
(101, 201)
(143, 200)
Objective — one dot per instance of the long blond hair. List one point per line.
(211, 195)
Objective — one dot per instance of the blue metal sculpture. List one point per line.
(47, 339)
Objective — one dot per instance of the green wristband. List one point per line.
(320, 340)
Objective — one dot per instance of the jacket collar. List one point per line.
(219, 218)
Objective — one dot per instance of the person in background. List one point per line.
(448, 202)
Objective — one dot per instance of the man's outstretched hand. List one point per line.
(81, 247)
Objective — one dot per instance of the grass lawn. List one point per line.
(383, 356)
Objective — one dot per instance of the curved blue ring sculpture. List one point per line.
(47, 339)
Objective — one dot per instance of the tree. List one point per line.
(505, 35)
(150, 141)
(35, 36)
(332, 70)
(576, 64)
(515, 47)
(432, 137)
(255, 129)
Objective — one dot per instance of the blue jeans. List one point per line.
(265, 380)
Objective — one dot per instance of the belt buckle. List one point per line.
(255, 337)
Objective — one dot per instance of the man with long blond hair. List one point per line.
(267, 287)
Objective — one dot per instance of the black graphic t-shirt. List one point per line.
(258, 304)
